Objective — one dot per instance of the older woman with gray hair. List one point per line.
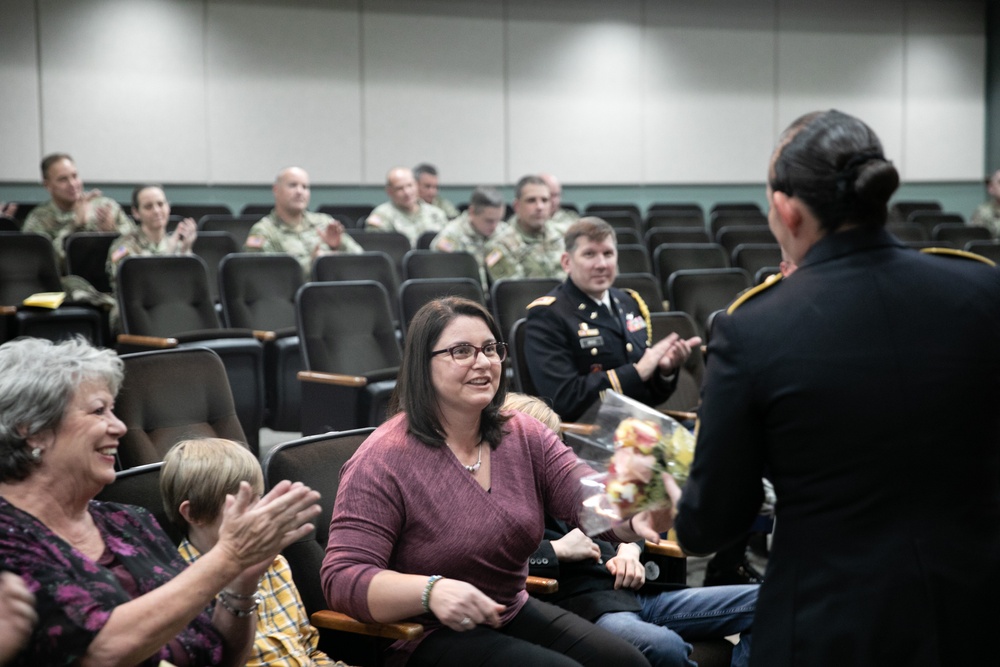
(110, 587)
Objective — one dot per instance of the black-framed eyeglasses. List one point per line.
(464, 353)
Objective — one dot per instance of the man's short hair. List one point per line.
(424, 168)
(51, 159)
(485, 197)
(593, 228)
(526, 181)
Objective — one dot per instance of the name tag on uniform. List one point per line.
(591, 341)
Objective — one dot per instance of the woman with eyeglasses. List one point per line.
(439, 510)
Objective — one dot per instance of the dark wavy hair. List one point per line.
(834, 163)
(415, 393)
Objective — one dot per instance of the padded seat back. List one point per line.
(720, 219)
(671, 257)
(675, 219)
(700, 292)
(165, 295)
(346, 327)
(647, 287)
(173, 395)
(430, 264)
(237, 225)
(633, 258)
(687, 395)
(212, 247)
(731, 236)
(257, 290)
(27, 265)
(140, 486)
(959, 233)
(316, 462)
(752, 257)
(413, 294)
(198, 211)
(87, 257)
(394, 244)
(657, 236)
(510, 298)
(369, 265)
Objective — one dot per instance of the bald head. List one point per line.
(555, 192)
(402, 189)
(291, 193)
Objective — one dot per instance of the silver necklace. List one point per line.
(475, 466)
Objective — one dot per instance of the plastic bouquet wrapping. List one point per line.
(630, 445)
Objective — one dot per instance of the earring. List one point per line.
(36, 453)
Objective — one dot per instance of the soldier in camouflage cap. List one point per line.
(426, 176)
(291, 229)
(406, 213)
(530, 247)
(472, 230)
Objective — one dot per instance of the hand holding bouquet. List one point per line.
(643, 444)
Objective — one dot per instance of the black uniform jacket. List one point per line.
(576, 349)
(867, 386)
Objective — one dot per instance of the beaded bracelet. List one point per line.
(235, 611)
(425, 597)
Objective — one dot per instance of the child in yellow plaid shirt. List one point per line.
(195, 479)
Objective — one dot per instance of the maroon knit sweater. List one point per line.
(411, 508)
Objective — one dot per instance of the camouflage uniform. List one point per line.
(563, 218)
(272, 234)
(514, 254)
(988, 216)
(387, 218)
(459, 236)
(449, 209)
(55, 224)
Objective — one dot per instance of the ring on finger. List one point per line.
(466, 622)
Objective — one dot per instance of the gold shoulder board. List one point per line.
(964, 254)
(541, 301)
(772, 279)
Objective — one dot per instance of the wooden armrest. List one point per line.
(264, 336)
(8, 310)
(541, 585)
(332, 378)
(666, 548)
(146, 341)
(578, 429)
(334, 620)
(681, 415)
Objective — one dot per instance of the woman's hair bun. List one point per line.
(876, 181)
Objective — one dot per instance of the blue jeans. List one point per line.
(669, 620)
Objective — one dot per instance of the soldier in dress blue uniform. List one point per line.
(586, 336)
(887, 534)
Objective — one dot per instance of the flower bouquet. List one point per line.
(631, 445)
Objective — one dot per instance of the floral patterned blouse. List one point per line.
(75, 595)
